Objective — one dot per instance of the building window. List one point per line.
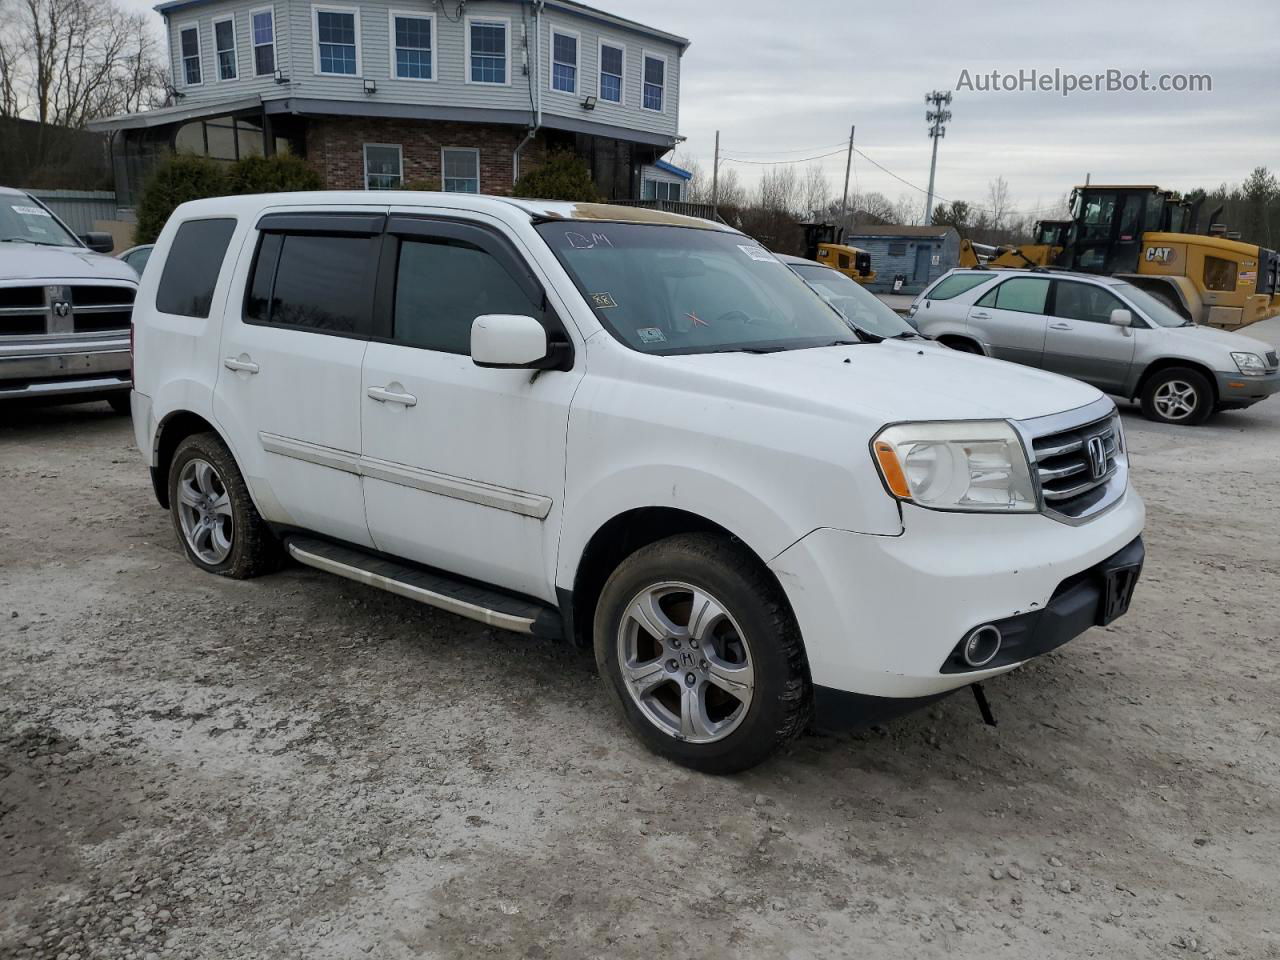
(189, 41)
(612, 58)
(662, 190)
(262, 24)
(487, 52)
(898, 249)
(383, 166)
(337, 33)
(564, 61)
(461, 170)
(413, 46)
(655, 82)
(224, 45)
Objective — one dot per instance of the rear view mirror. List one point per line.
(98, 242)
(1121, 318)
(511, 342)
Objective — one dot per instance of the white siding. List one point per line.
(295, 58)
(628, 113)
(247, 84)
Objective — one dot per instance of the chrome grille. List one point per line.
(1075, 466)
(65, 309)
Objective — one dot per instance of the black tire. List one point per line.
(961, 345)
(254, 550)
(780, 705)
(120, 404)
(1157, 405)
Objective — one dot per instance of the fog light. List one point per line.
(981, 646)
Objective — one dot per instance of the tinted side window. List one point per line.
(442, 286)
(957, 284)
(314, 281)
(1024, 294)
(1084, 301)
(192, 266)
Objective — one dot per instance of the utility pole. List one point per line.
(715, 180)
(939, 100)
(844, 199)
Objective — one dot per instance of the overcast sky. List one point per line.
(777, 76)
(784, 79)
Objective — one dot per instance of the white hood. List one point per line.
(24, 261)
(895, 380)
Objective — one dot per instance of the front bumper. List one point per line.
(880, 616)
(1236, 390)
(64, 369)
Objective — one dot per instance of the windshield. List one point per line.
(1155, 310)
(857, 304)
(669, 290)
(22, 220)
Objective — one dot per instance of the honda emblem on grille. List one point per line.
(62, 308)
(1097, 450)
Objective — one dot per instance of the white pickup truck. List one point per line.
(638, 431)
(64, 308)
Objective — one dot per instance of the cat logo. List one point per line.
(1160, 254)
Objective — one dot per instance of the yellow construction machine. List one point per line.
(824, 242)
(1151, 238)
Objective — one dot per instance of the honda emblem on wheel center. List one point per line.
(686, 659)
(1097, 451)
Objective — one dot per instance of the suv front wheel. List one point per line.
(701, 650)
(1178, 395)
(215, 519)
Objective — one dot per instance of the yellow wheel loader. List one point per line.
(1150, 237)
(824, 242)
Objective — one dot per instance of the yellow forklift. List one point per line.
(824, 242)
(1151, 238)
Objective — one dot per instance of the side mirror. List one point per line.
(98, 242)
(508, 341)
(1121, 318)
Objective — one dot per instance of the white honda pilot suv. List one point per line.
(638, 431)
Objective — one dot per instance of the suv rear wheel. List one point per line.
(702, 652)
(215, 519)
(1177, 395)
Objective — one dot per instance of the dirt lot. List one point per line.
(302, 767)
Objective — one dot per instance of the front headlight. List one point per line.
(1249, 364)
(976, 465)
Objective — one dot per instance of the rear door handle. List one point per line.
(1060, 326)
(980, 316)
(386, 395)
(241, 364)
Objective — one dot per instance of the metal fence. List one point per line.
(79, 208)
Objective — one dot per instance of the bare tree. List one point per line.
(815, 191)
(998, 203)
(65, 62)
(779, 190)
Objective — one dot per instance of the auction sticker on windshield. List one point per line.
(31, 211)
(758, 253)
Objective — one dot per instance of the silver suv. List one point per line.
(64, 308)
(1103, 331)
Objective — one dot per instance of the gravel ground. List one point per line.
(299, 766)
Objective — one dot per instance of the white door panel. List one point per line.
(470, 478)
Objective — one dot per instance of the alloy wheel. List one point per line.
(204, 511)
(685, 662)
(1175, 399)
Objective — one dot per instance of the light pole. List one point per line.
(939, 115)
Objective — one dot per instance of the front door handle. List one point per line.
(1060, 326)
(387, 395)
(980, 316)
(241, 364)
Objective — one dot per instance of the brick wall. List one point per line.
(335, 147)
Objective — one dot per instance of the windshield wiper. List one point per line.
(38, 243)
(912, 335)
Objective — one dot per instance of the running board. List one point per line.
(465, 599)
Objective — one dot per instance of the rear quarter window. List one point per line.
(956, 284)
(192, 265)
